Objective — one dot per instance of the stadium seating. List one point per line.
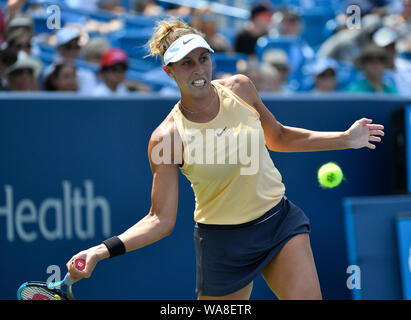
(227, 62)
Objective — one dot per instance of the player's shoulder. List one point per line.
(242, 86)
(166, 129)
(237, 83)
(165, 138)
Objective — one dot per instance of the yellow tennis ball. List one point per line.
(57, 297)
(330, 175)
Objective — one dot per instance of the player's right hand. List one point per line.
(91, 259)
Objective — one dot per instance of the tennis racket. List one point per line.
(36, 290)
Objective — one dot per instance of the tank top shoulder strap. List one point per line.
(235, 96)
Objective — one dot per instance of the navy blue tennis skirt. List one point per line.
(229, 257)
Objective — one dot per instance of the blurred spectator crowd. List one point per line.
(98, 47)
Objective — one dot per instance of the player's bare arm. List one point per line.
(160, 220)
(284, 138)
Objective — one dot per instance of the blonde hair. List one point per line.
(165, 33)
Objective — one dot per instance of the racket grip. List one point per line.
(80, 264)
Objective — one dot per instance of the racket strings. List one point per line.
(40, 293)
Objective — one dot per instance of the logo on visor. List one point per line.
(185, 42)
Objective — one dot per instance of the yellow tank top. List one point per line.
(231, 172)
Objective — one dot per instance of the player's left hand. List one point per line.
(363, 132)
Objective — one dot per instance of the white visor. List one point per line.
(183, 46)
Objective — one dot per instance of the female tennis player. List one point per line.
(244, 223)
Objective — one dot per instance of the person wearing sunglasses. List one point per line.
(372, 62)
(113, 67)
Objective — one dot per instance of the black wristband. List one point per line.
(115, 246)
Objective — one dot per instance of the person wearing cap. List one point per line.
(372, 62)
(20, 40)
(279, 60)
(68, 43)
(244, 223)
(325, 76)
(113, 67)
(68, 48)
(256, 27)
(399, 69)
(20, 21)
(23, 74)
(94, 49)
(268, 79)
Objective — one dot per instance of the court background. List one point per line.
(46, 140)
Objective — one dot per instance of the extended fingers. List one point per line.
(375, 126)
(376, 139)
(377, 133)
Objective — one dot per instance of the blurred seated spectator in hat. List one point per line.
(206, 21)
(265, 76)
(69, 48)
(68, 43)
(20, 21)
(148, 8)
(372, 62)
(268, 79)
(62, 77)
(279, 60)
(22, 75)
(325, 76)
(24, 22)
(7, 58)
(94, 49)
(401, 24)
(19, 40)
(113, 67)
(399, 69)
(256, 27)
(347, 43)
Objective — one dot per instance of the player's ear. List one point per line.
(168, 71)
